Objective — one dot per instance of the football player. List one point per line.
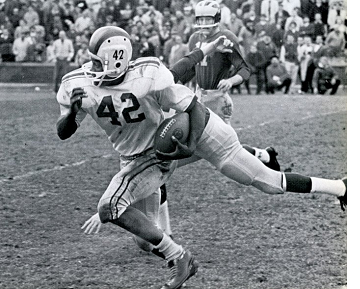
(126, 99)
(218, 71)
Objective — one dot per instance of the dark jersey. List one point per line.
(216, 66)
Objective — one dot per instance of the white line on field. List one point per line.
(59, 168)
(56, 168)
(274, 121)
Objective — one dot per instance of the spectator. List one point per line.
(225, 14)
(247, 35)
(146, 49)
(268, 49)
(319, 49)
(292, 31)
(289, 57)
(235, 24)
(320, 7)
(290, 5)
(101, 14)
(68, 16)
(140, 16)
(277, 34)
(178, 51)
(161, 5)
(256, 61)
(294, 18)
(50, 52)
(179, 23)
(320, 29)
(7, 25)
(325, 78)
(277, 76)
(336, 11)
(248, 11)
(15, 17)
(154, 39)
(166, 16)
(335, 41)
(82, 56)
(269, 8)
(189, 23)
(64, 52)
(305, 56)
(126, 15)
(56, 26)
(21, 45)
(262, 25)
(83, 22)
(281, 14)
(31, 16)
(6, 43)
(19, 29)
(168, 45)
(307, 28)
(36, 51)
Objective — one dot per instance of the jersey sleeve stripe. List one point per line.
(144, 62)
(73, 74)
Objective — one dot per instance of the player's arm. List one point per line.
(242, 70)
(66, 125)
(184, 69)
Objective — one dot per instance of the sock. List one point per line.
(331, 187)
(164, 218)
(296, 183)
(301, 184)
(169, 248)
(262, 155)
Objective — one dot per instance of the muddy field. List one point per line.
(241, 237)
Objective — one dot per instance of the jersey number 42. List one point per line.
(107, 102)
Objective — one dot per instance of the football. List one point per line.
(177, 126)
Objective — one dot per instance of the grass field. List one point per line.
(241, 237)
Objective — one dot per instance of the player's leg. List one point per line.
(220, 146)
(267, 156)
(137, 181)
(222, 105)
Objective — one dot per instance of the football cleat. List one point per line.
(181, 269)
(343, 199)
(273, 163)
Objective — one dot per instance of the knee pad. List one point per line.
(142, 244)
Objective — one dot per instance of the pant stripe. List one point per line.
(126, 180)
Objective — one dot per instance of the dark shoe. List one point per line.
(343, 199)
(273, 163)
(181, 269)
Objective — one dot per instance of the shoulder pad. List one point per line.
(146, 66)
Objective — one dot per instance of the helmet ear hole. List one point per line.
(117, 64)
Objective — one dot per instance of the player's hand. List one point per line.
(77, 95)
(333, 81)
(92, 224)
(181, 151)
(221, 44)
(224, 84)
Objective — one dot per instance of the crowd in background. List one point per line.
(297, 32)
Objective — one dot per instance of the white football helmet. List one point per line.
(207, 8)
(111, 46)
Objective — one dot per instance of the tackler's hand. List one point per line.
(92, 224)
(221, 44)
(181, 151)
(77, 95)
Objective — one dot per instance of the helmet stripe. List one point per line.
(109, 33)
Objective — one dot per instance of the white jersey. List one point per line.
(129, 112)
